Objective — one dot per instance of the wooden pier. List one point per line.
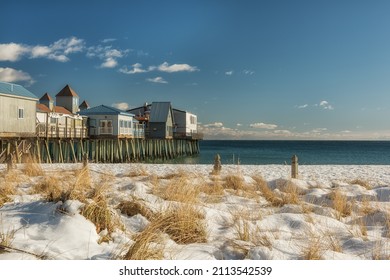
(109, 150)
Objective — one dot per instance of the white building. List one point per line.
(106, 121)
(186, 124)
(17, 111)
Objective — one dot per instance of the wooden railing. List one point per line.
(53, 131)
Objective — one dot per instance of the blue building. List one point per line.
(106, 121)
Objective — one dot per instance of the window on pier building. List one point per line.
(20, 113)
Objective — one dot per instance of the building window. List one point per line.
(193, 119)
(105, 127)
(20, 113)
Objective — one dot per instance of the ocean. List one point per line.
(280, 152)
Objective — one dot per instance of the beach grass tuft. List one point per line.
(267, 193)
(134, 207)
(31, 168)
(340, 204)
(184, 224)
(361, 182)
(313, 250)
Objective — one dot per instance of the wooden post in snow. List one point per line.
(294, 167)
(217, 165)
(85, 160)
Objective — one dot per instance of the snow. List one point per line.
(46, 230)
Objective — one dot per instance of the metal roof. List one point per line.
(104, 110)
(159, 111)
(16, 90)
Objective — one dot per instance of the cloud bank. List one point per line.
(58, 51)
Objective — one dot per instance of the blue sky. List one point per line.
(266, 69)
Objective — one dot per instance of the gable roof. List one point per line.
(104, 110)
(67, 91)
(16, 90)
(160, 111)
(46, 96)
(84, 104)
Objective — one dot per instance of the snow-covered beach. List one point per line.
(246, 212)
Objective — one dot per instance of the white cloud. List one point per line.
(12, 51)
(318, 130)
(121, 106)
(248, 72)
(165, 67)
(214, 125)
(68, 45)
(108, 40)
(58, 51)
(11, 75)
(158, 80)
(137, 68)
(108, 54)
(109, 63)
(325, 105)
(229, 73)
(282, 132)
(40, 51)
(263, 125)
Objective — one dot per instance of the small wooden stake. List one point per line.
(217, 165)
(294, 167)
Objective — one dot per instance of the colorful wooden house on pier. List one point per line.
(17, 111)
(164, 122)
(60, 120)
(106, 121)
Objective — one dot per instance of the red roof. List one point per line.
(56, 109)
(67, 91)
(43, 108)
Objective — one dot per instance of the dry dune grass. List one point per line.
(80, 187)
(32, 168)
(6, 238)
(180, 173)
(50, 187)
(8, 183)
(291, 193)
(362, 183)
(58, 187)
(95, 196)
(137, 172)
(213, 190)
(133, 207)
(236, 184)
(340, 204)
(184, 224)
(366, 207)
(334, 243)
(179, 189)
(100, 214)
(267, 193)
(313, 250)
(147, 245)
